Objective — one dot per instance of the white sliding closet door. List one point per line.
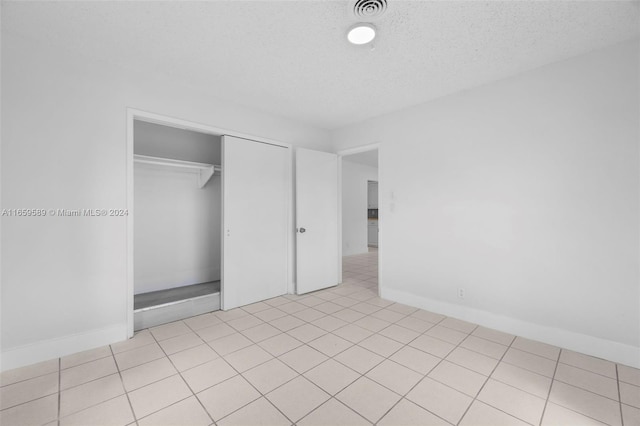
(256, 183)
(317, 220)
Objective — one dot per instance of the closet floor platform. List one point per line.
(161, 297)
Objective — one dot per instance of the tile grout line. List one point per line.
(546, 402)
(34, 377)
(87, 362)
(553, 380)
(180, 374)
(135, 418)
(388, 357)
(424, 376)
(619, 395)
(327, 332)
(221, 357)
(298, 374)
(59, 392)
(475, 398)
(27, 402)
(587, 370)
(528, 369)
(59, 388)
(586, 390)
(357, 344)
(238, 373)
(332, 397)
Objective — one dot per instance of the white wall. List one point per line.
(64, 146)
(179, 144)
(177, 237)
(524, 192)
(354, 205)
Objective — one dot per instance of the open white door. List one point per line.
(317, 220)
(255, 186)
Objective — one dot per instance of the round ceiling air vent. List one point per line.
(368, 9)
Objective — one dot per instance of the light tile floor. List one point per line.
(341, 356)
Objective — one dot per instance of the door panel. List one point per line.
(316, 220)
(256, 184)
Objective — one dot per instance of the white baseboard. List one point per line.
(59, 347)
(590, 345)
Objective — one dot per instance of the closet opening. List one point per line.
(177, 243)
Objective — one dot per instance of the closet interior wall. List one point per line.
(177, 241)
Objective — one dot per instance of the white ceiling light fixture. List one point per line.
(361, 33)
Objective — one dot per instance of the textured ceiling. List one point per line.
(291, 57)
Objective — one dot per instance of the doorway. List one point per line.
(360, 216)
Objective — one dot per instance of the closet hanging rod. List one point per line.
(205, 171)
(159, 161)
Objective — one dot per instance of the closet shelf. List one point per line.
(204, 171)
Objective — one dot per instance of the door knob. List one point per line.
(302, 230)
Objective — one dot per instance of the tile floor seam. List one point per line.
(86, 362)
(202, 363)
(133, 413)
(150, 383)
(332, 397)
(515, 387)
(443, 383)
(586, 390)
(619, 395)
(367, 371)
(636, 384)
(93, 380)
(356, 292)
(344, 387)
(468, 349)
(258, 390)
(60, 390)
(277, 387)
(129, 368)
(524, 368)
(425, 375)
(238, 373)
(384, 359)
(129, 350)
(26, 402)
(163, 408)
(411, 402)
(265, 395)
(487, 340)
(590, 371)
(582, 414)
(95, 405)
(475, 398)
(31, 378)
(361, 375)
(380, 384)
(183, 379)
(455, 329)
(553, 379)
(407, 328)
